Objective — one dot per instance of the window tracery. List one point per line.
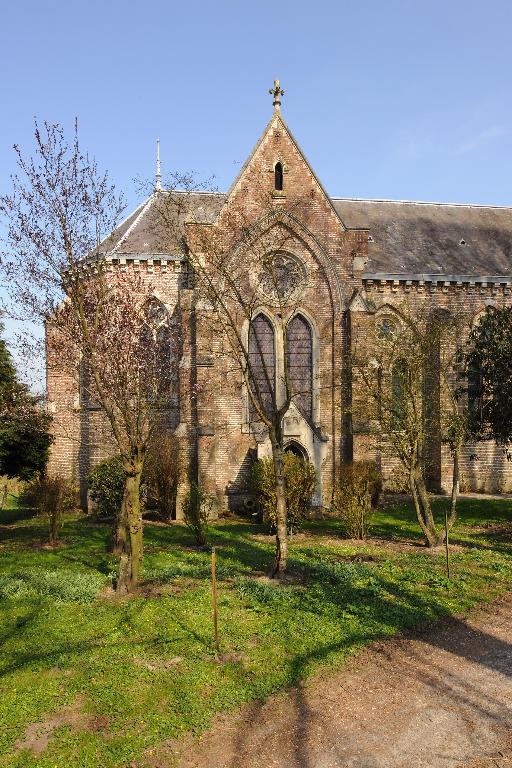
(386, 328)
(156, 339)
(281, 277)
(299, 361)
(399, 374)
(262, 362)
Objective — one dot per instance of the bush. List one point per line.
(299, 482)
(53, 497)
(162, 473)
(197, 506)
(356, 492)
(106, 487)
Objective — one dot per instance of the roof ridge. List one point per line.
(420, 202)
(219, 193)
(121, 223)
(145, 207)
(192, 192)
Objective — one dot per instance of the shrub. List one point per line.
(397, 481)
(299, 482)
(197, 506)
(106, 486)
(356, 492)
(53, 497)
(162, 473)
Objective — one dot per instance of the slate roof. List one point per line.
(405, 237)
(419, 238)
(144, 233)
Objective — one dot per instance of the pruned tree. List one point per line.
(410, 368)
(238, 267)
(103, 325)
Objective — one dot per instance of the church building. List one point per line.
(360, 260)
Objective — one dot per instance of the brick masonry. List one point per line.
(210, 416)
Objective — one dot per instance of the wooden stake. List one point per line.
(446, 542)
(214, 601)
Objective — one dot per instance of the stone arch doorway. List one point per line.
(297, 450)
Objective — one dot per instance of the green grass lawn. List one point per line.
(143, 669)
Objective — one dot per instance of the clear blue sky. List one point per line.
(388, 98)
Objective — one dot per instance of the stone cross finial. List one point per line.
(276, 92)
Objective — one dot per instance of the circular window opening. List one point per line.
(386, 329)
(282, 277)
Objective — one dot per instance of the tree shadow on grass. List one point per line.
(409, 659)
(235, 546)
(376, 610)
(14, 515)
(382, 604)
(49, 658)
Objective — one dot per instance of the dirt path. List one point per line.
(437, 699)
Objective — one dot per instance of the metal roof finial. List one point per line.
(158, 178)
(276, 92)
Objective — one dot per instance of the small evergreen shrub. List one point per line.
(197, 507)
(106, 487)
(53, 497)
(299, 483)
(356, 492)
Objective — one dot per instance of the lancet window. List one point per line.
(262, 361)
(299, 360)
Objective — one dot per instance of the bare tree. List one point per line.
(412, 398)
(103, 326)
(238, 267)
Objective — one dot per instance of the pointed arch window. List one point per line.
(475, 391)
(399, 375)
(87, 389)
(156, 350)
(299, 361)
(262, 364)
(278, 177)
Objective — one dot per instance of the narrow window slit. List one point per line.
(278, 177)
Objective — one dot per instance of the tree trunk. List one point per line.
(118, 538)
(423, 508)
(281, 521)
(131, 523)
(53, 525)
(417, 504)
(452, 517)
(455, 486)
(4, 496)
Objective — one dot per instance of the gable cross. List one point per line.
(276, 92)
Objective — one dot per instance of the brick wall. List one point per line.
(210, 419)
(484, 466)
